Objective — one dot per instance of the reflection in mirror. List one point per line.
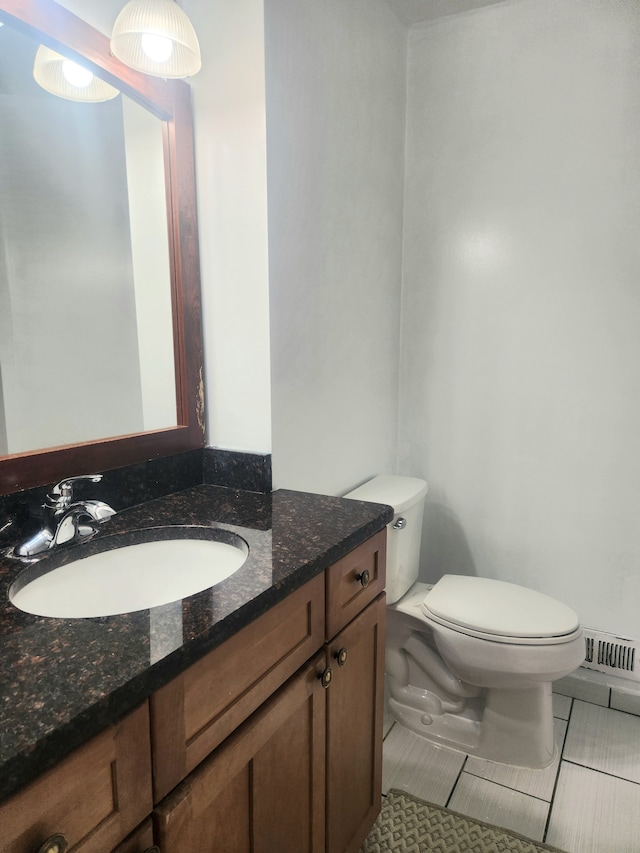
(86, 338)
(105, 297)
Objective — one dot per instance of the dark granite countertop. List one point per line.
(64, 680)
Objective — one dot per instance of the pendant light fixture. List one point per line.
(66, 79)
(157, 38)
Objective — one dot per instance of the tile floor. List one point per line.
(588, 801)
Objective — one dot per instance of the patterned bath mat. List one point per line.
(409, 825)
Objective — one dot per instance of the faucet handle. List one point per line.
(64, 489)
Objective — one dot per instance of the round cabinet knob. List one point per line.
(325, 678)
(55, 844)
(341, 656)
(364, 578)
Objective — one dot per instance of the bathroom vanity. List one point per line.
(248, 714)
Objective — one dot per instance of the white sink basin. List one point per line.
(130, 578)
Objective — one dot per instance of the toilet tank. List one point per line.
(406, 495)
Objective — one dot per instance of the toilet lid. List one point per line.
(498, 608)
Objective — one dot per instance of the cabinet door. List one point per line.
(355, 708)
(263, 789)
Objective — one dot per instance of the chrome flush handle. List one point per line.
(400, 524)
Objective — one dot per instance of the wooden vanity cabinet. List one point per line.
(304, 771)
(271, 742)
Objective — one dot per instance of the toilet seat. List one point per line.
(499, 611)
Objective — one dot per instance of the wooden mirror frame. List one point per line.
(170, 101)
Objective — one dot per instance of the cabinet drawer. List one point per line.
(193, 714)
(94, 798)
(354, 581)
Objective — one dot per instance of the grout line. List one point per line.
(601, 772)
(451, 792)
(566, 731)
(557, 779)
(553, 795)
(508, 787)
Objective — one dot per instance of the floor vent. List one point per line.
(608, 653)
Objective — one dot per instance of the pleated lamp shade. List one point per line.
(157, 38)
(67, 79)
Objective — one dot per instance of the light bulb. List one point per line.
(157, 48)
(76, 74)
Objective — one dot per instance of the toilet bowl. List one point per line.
(469, 661)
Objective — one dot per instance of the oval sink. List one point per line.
(128, 578)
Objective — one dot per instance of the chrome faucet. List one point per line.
(65, 519)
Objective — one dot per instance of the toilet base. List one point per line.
(457, 731)
(510, 726)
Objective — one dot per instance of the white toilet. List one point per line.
(469, 661)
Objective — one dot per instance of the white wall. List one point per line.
(335, 138)
(229, 113)
(520, 399)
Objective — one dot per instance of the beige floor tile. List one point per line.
(484, 800)
(536, 783)
(415, 765)
(605, 740)
(594, 813)
(561, 706)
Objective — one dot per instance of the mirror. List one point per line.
(100, 342)
(84, 272)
